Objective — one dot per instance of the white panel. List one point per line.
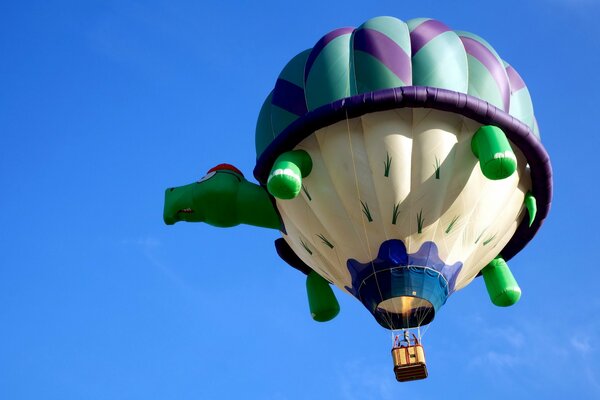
(469, 217)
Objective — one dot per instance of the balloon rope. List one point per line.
(426, 326)
(362, 218)
(421, 315)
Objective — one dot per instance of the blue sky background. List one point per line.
(105, 104)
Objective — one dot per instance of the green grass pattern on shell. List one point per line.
(420, 221)
(306, 193)
(305, 247)
(451, 225)
(366, 211)
(489, 240)
(395, 213)
(437, 168)
(325, 241)
(386, 164)
(479, 237)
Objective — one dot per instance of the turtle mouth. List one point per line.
(185, 211)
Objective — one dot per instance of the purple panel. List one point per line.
(428, 255)
(290, 97)
(424, 33)
(434, 98)
(287, 254)
(385, 50)
(491, 63)
(516, 82)
(320, 45)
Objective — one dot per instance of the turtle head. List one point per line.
(212, 199)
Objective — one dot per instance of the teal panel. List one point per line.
(395, 29)
(480, 40)
(521, 107)
(264, 129)
(536, 129)
(372, 75)
(383, 60)
(413, 23)
(294, 70)
(482, 83)
(280, 119)
(441, 63)
(483, 53)
(329, 77)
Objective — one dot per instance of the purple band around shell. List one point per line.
(324, 41)
(424, 33)
(434, 98)
(385, 50)
(492, 64)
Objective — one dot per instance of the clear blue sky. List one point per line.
(105, 104)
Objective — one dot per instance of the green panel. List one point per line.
(264, 129)
(294, 70)
(482, 83)
(280, 119)
(377, 75)
(500, 283)
(329, 77)
(395, 29)
(442, 63)
(536, 129)
(413, 23)
(321, 300)
(521, 107)
(480, 40)
(353, 84)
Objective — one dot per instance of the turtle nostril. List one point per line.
(170, 190)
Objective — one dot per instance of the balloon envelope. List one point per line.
(396, 210)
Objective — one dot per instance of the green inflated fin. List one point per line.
(491, 147)
(500, 283)
(321, 300)
(285, 179)
(531, 205)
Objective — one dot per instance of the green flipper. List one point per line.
(531, 206)
(321, 300)
(285, 179)
(500, 283)
(491, 147)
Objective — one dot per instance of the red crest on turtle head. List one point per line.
(226, 167)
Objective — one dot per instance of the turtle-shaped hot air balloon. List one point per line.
(399, 160)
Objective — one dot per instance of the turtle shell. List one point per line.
(387, 63)
(385, 53)
(387, 112)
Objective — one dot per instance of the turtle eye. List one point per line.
(207, 176)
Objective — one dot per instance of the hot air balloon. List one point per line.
(399, 161)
